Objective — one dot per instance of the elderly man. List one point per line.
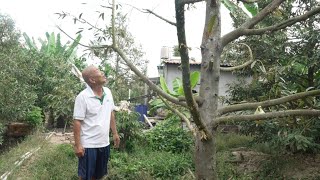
(93, 118)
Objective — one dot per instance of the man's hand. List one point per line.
(79, 150)
(116, 140)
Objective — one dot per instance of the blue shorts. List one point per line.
(94, 163)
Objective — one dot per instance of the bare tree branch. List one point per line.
(71, 37)
(250, 23)
(153, 13)
(79, 19)
(262, 14)
(113, 17)
(146, 80)
(299, 112)
(87, 46)
(246, 106)
(282, 25)
(136, 70)
(160, 17)
(183, 117)
(236, 67)
(249, 1)
(185, 65)
(242, 65)
(245, 29)
(181, 2)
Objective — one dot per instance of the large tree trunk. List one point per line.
(205, 159)
(205, 154)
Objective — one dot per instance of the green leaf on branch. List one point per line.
(163, 85)
(194, 78)
(252, 8)
(178, 87)
(234, 9)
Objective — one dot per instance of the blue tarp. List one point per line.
(142, 110)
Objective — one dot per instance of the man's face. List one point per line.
(98, 77)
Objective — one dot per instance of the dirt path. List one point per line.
(61, 138)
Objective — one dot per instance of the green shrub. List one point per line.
(295, 141)
(17, 92)
(67, 150)
(34, 117)
(166, 165)
(148, 164)
(286, 134)
(129, 129)
(169, 136)
(124, 166)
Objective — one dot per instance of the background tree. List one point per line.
(9, 35)
(120, 78)
(56, 86)
(176, 51)
(18, 70)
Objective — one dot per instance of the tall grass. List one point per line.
(51, 162)
(228, 141)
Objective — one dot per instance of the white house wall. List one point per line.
(171, 71)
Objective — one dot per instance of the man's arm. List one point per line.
(113, 126)
(78, 149)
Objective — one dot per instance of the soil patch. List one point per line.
(287, 166)
(61, 138)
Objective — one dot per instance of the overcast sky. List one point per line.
(35, 17)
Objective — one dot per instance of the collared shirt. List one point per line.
(94, 114)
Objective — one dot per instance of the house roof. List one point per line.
(192, 62)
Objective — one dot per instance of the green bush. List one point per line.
(167, 165)
(125, 166)
(129, 129)
(67, 150)
(17, 92)
(148, 164)
(295, 141)
(34, 117)
(169, 136)
(286, 134)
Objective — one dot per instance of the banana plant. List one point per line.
(177, 89)
(177, 84)
(54, 67)
(52, 45)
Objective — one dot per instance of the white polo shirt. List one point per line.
(95, 115)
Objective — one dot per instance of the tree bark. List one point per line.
(185, 65)
(205, 159)
(205, 156)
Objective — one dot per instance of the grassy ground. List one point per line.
(237, 159)
(14, 153)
